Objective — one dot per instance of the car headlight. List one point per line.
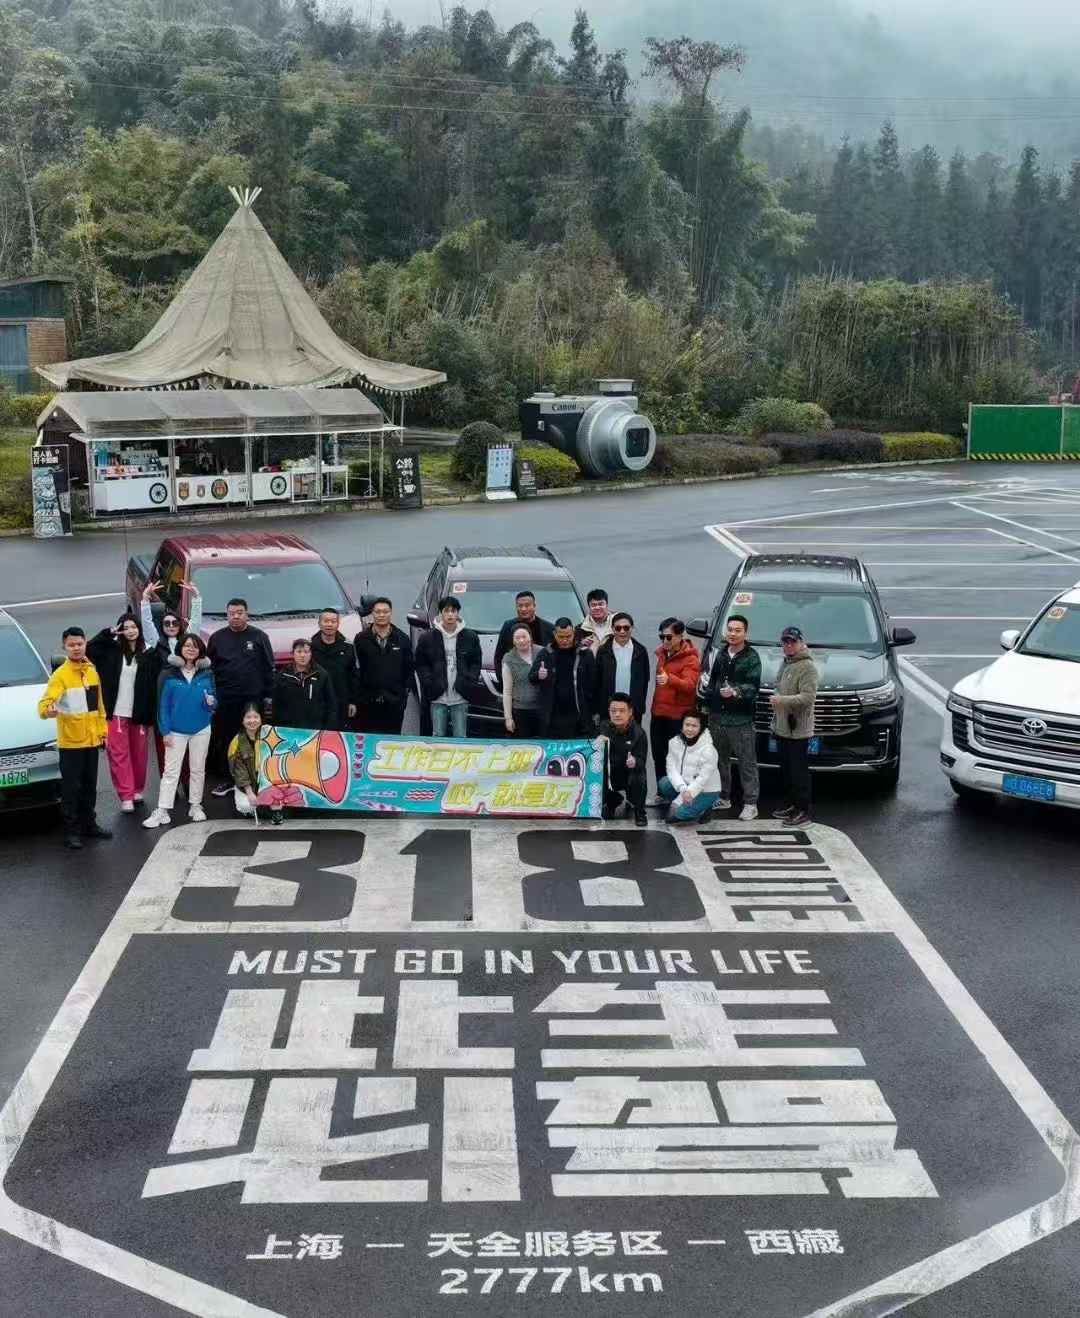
(876, 696)
(959, 705)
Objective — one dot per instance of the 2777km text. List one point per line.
(553, 1281)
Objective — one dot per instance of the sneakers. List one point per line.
(799, 817)
(640, 819)
(128, 807)
(748, 812)
(222, 789)
(157, 819)
(722, 804)
(785, 812)
(138, 798)
(276, 817)
(73, 842)
(197, 814)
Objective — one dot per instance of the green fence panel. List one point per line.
(998, 431)
(1071, 433)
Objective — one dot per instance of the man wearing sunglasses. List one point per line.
(677, 671)
(622, 664)
(731, 696)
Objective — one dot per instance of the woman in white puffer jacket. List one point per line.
(692, 781)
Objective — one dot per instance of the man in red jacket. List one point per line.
(678, 668)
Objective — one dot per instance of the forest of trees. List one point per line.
(515, 211)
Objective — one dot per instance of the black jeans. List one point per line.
(226, 723)
(380, 716)
(78, 788)
(528, 723)
(795, 771)
(661, 731)
(565, 725)
(634, 785)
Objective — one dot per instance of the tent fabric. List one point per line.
(245, 318)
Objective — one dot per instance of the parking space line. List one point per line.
(950, 656)
(1011, 521)
(966, 588)
(64, 599)
(855, 508)
(959, 617)
(924, 688)
(898, 544)
(730, 542)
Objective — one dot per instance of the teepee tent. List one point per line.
(242, 318)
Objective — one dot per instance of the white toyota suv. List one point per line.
(1013, 728)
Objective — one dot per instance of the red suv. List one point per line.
(286, 583)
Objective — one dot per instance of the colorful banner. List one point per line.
(429, 775)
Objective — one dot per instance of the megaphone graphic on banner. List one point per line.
(319, 765)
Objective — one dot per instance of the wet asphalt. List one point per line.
(959, 553)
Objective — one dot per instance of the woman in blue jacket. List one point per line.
(185, 709)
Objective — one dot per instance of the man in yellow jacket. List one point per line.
(73, 698)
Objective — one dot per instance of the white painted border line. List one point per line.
(1036, 530)
(961, 617)
(64, 599)
(924, 688)
(731, 542)
(898, 544)
(931, 655)
(856, 508)
(901, 589)
(1001, 563)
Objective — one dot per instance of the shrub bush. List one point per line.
(21, 409)
(708, 455)
(16, 505)
(923, 444)
(554, 470)
(469, 460)
(851, 446)
(781, 415)
(794, 448)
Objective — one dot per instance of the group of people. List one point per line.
(202, 704)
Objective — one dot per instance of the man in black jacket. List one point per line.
(622, 664)
(627, 759)
(331, 651)
(384, 672)
(243, 663)
(303, 693)
(542, 631)
(448, 662)
(566, 676)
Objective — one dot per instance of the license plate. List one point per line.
(1034, 789)
(14, 777)
(813, 746)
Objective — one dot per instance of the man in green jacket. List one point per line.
(793, 723)
(732, 693)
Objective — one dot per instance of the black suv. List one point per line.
(485, 582)
(859, 712)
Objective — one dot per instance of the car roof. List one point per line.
(832, 572)
(527, 562)
(205, 546)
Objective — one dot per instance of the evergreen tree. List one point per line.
(925, 244)
(1025, 235)
(892, 190)
(582, 69)
(869, 255)
(837, 220)
(995, 231)
(962, 230)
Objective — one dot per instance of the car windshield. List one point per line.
(841, 622)
(486, 605)
(271, 588)
(19, 665)
(1056, 635)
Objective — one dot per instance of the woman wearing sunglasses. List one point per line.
(163, 645)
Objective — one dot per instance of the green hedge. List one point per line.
(554, 470)
(922, 444)
(782, 415)
(708, 455)
(21, 409)
(469, 460)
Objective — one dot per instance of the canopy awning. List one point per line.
(161, 414)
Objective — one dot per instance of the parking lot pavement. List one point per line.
(956, 571)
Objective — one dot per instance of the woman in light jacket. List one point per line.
(692, 781)
(185, 710)
(523, 703)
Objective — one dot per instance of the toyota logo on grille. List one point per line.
(1033, 727)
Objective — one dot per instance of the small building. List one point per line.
(32, 330)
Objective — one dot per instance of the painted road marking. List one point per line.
(269, 1045)
(922, 686)
(64, 599)
(1024, 527)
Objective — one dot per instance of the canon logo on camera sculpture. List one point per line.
(603, 432)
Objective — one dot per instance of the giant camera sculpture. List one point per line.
(603, 432)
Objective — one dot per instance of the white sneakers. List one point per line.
(722, 804)
(748, 812)
(197, 814)
(156, 819)
(127, 807)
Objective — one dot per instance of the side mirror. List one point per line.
(417, 620)
(698, 627)
(1009, 639)
(901, 636)
(55, 660)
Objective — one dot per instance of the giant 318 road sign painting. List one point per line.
(375, 1069)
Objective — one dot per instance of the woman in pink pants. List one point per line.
(128, 688)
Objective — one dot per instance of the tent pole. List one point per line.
(171, 459)
(318, 467)
(248, 475)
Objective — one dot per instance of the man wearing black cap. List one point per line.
(793, 724)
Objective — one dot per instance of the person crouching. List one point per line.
(692, 780)
(244, 766)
